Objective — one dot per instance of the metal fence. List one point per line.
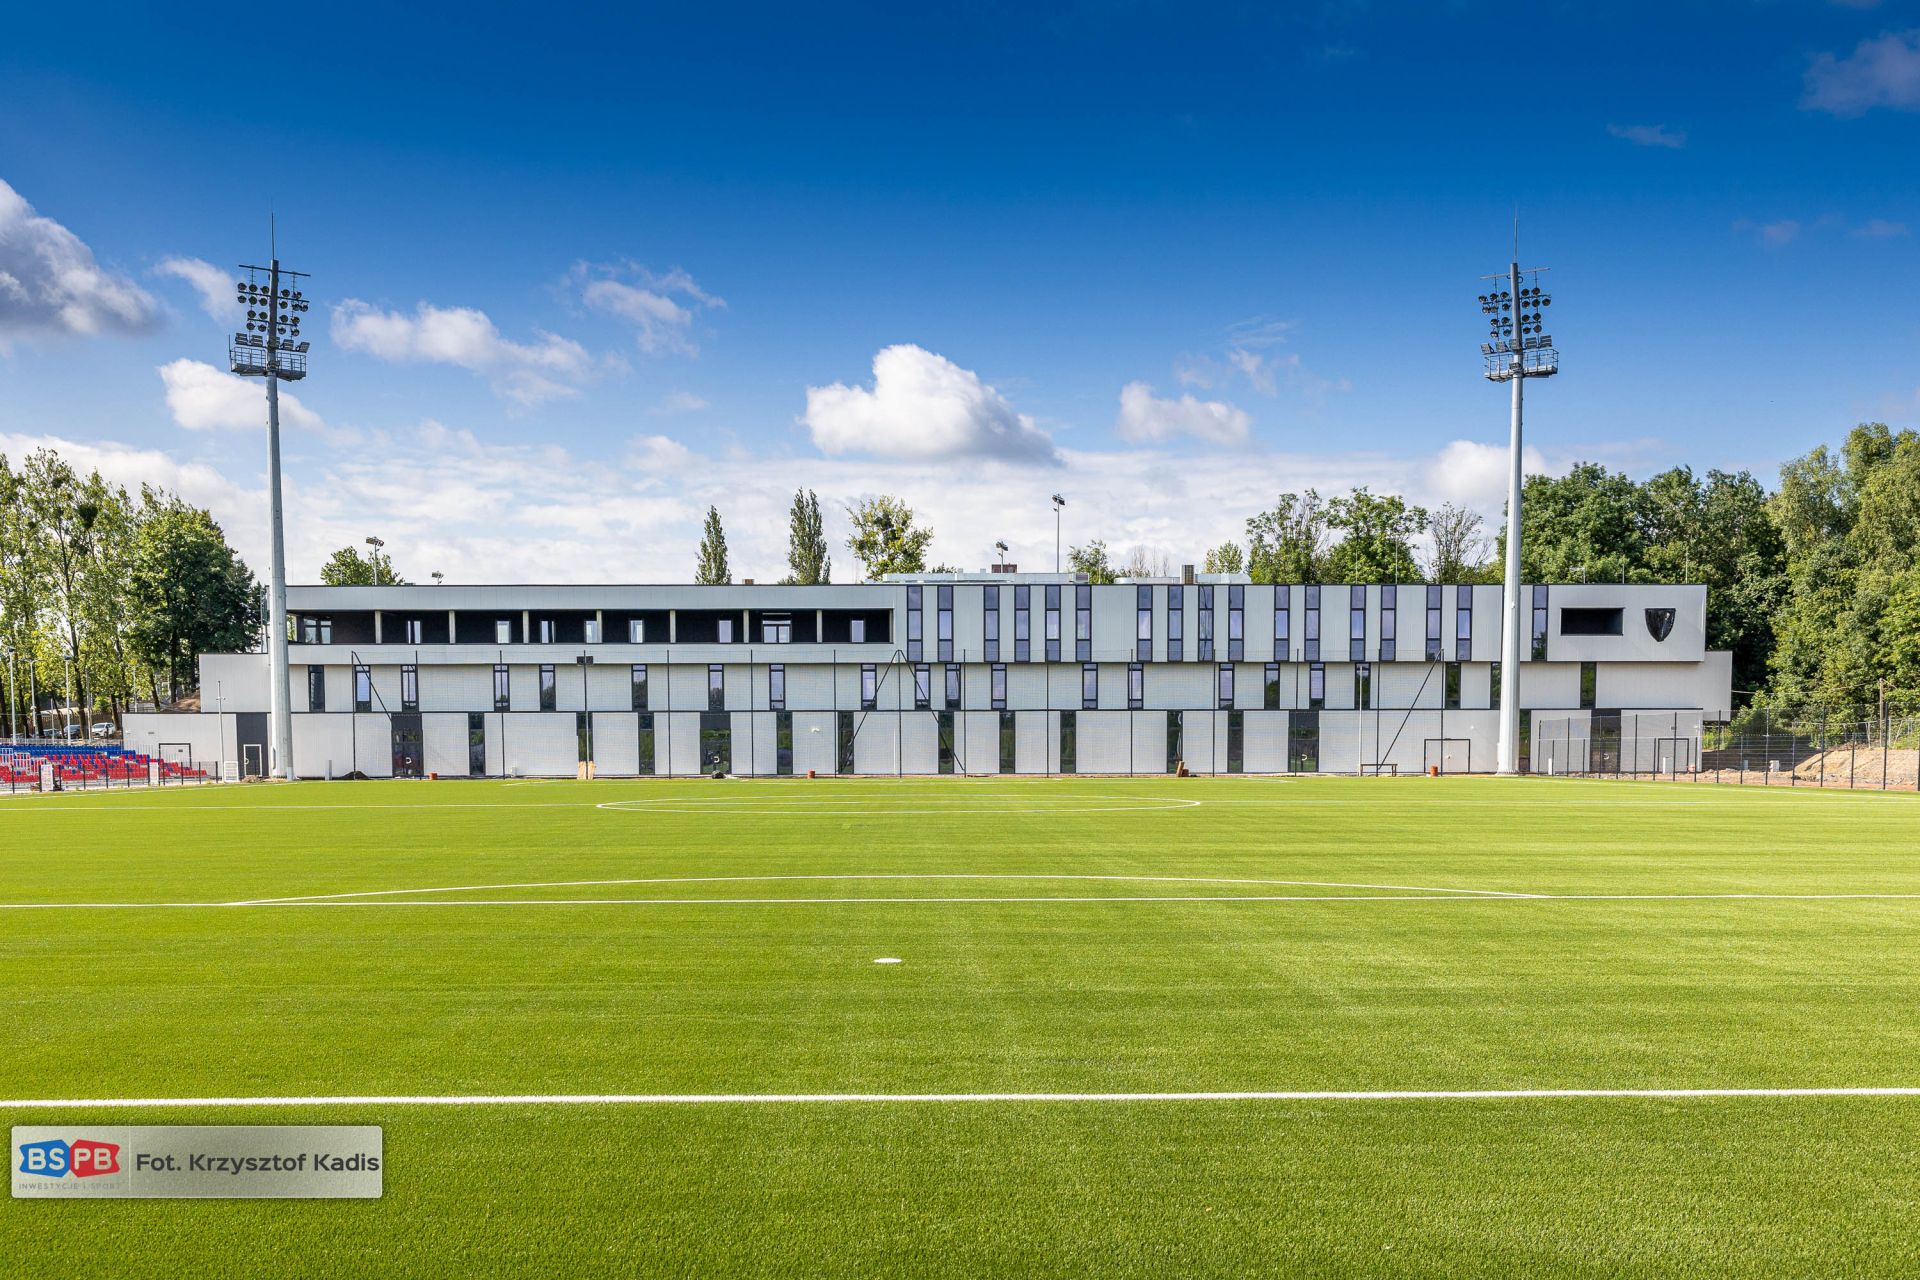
(28, 765)
(1761, 748)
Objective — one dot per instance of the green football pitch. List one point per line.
(638, 1028)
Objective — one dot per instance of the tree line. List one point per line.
(108, 598)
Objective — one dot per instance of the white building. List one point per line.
(976, 673)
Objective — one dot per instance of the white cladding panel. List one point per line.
(449, 688)
(1199, 730)
(1179, 685)
(1027, 685)
(813, 742)
(1149, 741)
(200, 734)
(919, 742)
(875, 740)
(677, 741)
(541, 744)
(809, 687)
(616, 743)
(1265, 743)
(979, 744)
(1034, 732)
(1104, 742)
(443, 742)
(233, 681)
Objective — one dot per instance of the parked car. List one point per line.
(106, 729)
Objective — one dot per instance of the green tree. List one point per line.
(808, 564)
(1459, 549)
(1580, 527)
(885, 539)
(190, 593)
(348, 568)
(1377, 542)
(1092, 560)
(1225, 558)
(710, 567)
(1288, 543)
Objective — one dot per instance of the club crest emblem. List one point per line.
(1659, 623)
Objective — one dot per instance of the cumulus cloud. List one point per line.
(1474, 475)
(1650, 135)
(524, 372)
(50, 282)
(203, 398)
(922, 405)
(660, 307)
(680, 402)
(1882, 72)
(214, 286)
(1147, 417)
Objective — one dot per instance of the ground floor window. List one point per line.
(583, 735)
(716, 742)
(646, 743)
(549, 689)
(1006, 742)
(944, 727)
(1526, 742)
(316, 688)
(843, 742)
(783, 744)
(1176, 747)
(477, 743)
(1303, 742)
(1236, 742)
(1069, 742)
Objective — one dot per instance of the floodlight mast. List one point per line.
(1519, 349)
(270, 347)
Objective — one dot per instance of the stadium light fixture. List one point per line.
(270, 346)
(1059, 504)
(1518, 347)
(1001, 549)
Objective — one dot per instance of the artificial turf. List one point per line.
(1366, 978)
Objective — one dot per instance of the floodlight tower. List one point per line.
(1059, 505)
(1518, 348)
(271, 347)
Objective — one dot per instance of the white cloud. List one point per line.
(1774, 235)
(526, 373)
(214, 286)
(1880, 229)
(662, 324)
(201, 397)
(922, 405)
(1470, 474)
(1650, 135)
(1145, 417)
(680, 402)
(50, 282)
(1882, 72)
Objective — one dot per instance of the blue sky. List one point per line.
(584, 272)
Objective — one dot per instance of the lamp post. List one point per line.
(1059, 504)
(1001, 549)
(270, 347)
(1518, 348)
(375, 558)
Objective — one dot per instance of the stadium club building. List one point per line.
(970, 673)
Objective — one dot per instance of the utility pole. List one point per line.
(1519, 348)
(271, 347)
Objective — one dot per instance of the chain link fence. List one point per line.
(1762, 748)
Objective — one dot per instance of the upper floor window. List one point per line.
(549, 689)
(1312, 623)
(869, 687)
(503, 631)
(502, 690)
(638, 678)
(1143, 623)
(997, 687)
(1317, 686)
(857, 631)
(1363, 686)
(716, 687)
(915, 600)
(1236, 623)
(316, 688)
(1226, 686)
(1493, 676)
(1589, 685)
(1356, 624)
(410, 631)
(1176, 623)
(1453, 686)
(409, 688)
(1272, 691)
(723, 631)
(1206, 624)
(1053, 623)
(990, 622)
(1022, 624)
(1282, 608)
(1083, 622)
(1463, 625)
(636, 631)
(1089, 686)
(776, 628)
(777, 687)
(943, 623)
(590, 632)
(922, 686)
(1433, 624)
(544, 630)
(1539, 624)
(953, 686)
(1389, 624)
(316, 630)
(362, 689)
(1136, 686)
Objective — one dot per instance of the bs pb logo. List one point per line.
(82, 1158)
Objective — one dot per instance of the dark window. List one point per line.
(1453, 686)
(1236, 742)
(1069, 742)
(922, 687)
(1526, 742)
(1053, 623)
(1143, 623)
(1271, 701)
(1316, 686)
(716, 742)
(583, 735)
(915, 600)
(1176, 744)
(1006, 742)
(502, 690)
(1493, 685)
(1433, 624)
(997, 687)
(646, 742)
(477, 743)
(943, 728)
(990, 622)
(953, 686)
(776, 628)
(1225, 689)
(316, 688)
(1590, 622)
(1303, 742)
(1090, 687)
(777, 687)
(1236, 623)
(1176, 622)
(1362, 686)
(1083, 622)
(843, 742)
(943, 623)
(1389, 621)
(716, 687)
(1463, 624)
(1312, 637)
(1356, 624)
(1022, 624)
(1282, 607)
(783, 744)
(869, 687)
(409, 688)
(1539, 624)
(639, 680)
(362, 689)
(1589, 684)
(548, 688)
(316, 630)
(1206, 624)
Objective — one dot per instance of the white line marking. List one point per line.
(967, 806)
(757, 1099)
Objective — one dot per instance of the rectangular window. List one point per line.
(1053, 623)
(1589, 685)
(843, 742)
(544, 629)
(1176, 623)
(1136, 686)
(1083, 622)
(776, 628)
(583, 736)
(409, 688)
(1433, 624)
(1204, 627)
(716, 687)
(777, 686)
(1069, 742)
(477, 743)
(1022, 624)
(1006, 742)
(916, 596)
(857, 631)
(503, 631)
(1282, 620)
(943, 623)
(869, 686)
(723, 631)
(1090, 687)
(1225, 686)
(1453, 686)
(1236, 742)
(1143, 623)
(943, 729)
(1590, 622)
(410, 630)
(1272, 699)
(990, 622)
(590, 631)
(362, 689)
(502, 689)
(1389, 623)
(1356, 624)
(636, 631)
(646, 743)
(953, 686)
(1539, 624)
(1311, 636)
(716, 742)
(1316, 686)
(783, 744)
(997, 687)
(1176, 741)
(1463, 624)
(1362, 686)
(316, 688)
(549, 689)
(1303, 742)
(1493, 685)
(1236, 623)
(922, 687)
(638, 678)
(1526, 741)
(316, 630)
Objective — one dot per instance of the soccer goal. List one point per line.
(1380, 769)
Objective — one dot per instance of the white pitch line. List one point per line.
(761, 1099)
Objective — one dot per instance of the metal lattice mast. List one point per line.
(1518, 348)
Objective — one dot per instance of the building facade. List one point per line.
(981, 673)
